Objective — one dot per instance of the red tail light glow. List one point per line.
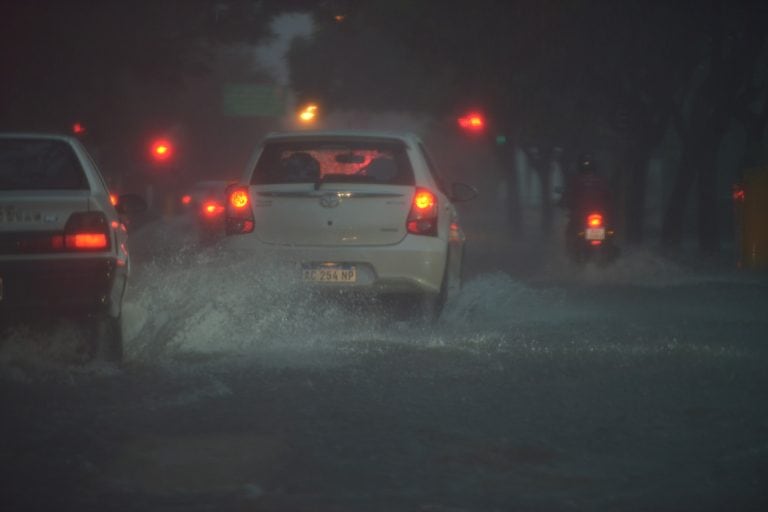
(473, 122)
(738, 193)
(239, 198)
(455, 233)
(186, 199)
(84, 231)
(86, 241)
(239, 217)
(422, 219)
(212, 209)
(423, 200)
(161, 150)
(595, 220)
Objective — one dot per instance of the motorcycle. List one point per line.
(590, 238)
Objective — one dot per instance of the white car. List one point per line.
(353, 210)
(63, 247)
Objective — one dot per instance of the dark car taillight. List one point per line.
(211, 209)
(239, 215)
(422, 219)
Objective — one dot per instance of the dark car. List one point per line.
(205, 202)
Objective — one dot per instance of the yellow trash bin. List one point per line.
(751, 201)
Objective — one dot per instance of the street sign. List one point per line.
(250, 100)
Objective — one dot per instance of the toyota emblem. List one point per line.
(329, 200)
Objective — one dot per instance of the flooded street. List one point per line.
(640, 387)
(219, 189)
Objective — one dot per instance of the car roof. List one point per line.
(37, 135)
(208, 183)
(401, 136)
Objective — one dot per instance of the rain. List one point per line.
(544, 384)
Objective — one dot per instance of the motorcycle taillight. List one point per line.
(595, 220)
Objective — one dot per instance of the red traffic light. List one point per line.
(78, 128)
(161, 150)
(473, 122)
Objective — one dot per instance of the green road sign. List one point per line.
(249, 100)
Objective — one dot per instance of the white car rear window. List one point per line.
(324, 161)
(31, 164)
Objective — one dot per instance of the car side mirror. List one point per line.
(461, 192)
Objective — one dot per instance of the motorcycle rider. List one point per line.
(585, 192)
(587, 189)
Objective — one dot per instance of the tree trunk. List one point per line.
(544, 170)
(541, 161)
(708, 229)
(698, 166)
(507, 161)
(754, 148)
(674, 213)
(637, 159)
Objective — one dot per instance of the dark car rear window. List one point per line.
(27, 164)
(333, 161)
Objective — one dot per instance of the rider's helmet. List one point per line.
(587, 163)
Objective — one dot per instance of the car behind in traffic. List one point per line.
(63, 247)
(204, 201)
(358, 211)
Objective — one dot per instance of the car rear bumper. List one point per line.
(415, 265)
(92, 285)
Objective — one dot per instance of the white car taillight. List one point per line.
(422, 219)
(239, 215)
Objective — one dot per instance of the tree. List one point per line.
(568, 75)
(731, 41)
(124, 68)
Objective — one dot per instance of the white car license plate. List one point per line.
(595, 234)
(329, 273)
